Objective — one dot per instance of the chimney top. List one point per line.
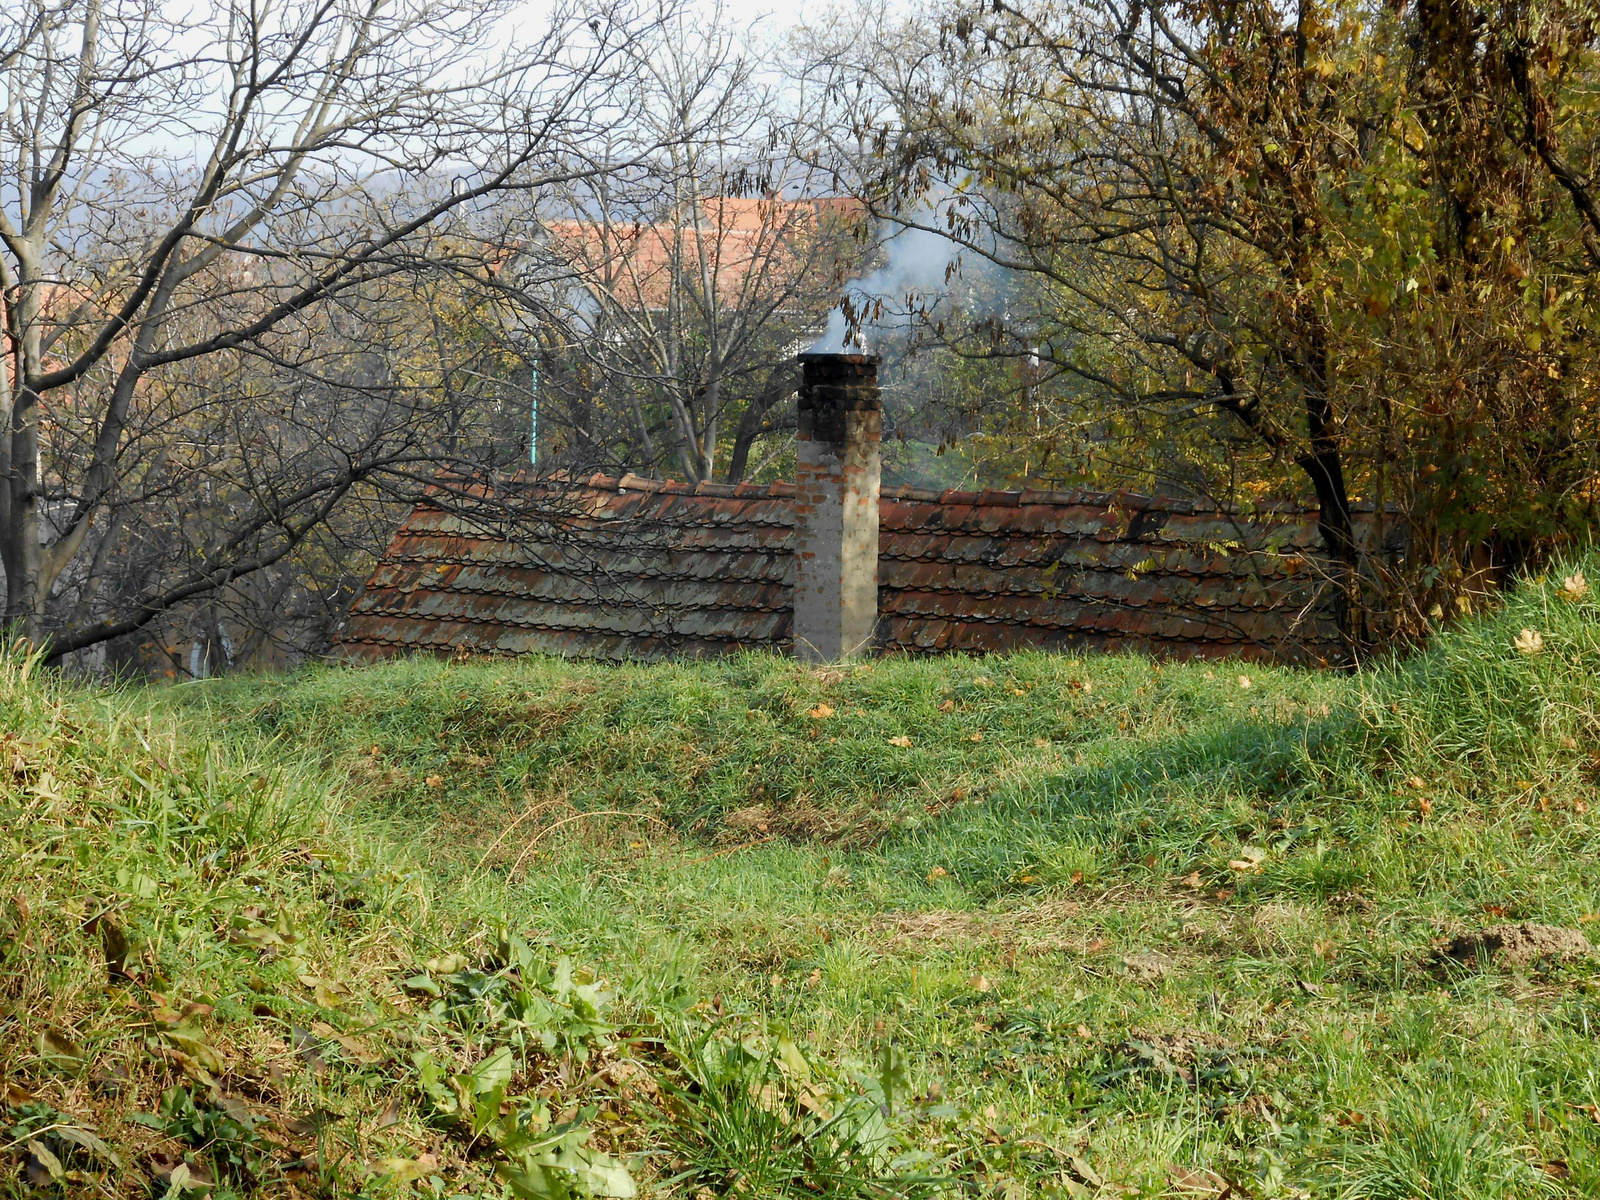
(824, 356)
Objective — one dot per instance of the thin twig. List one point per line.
(549, 829)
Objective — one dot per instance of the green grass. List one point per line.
(1103, 927)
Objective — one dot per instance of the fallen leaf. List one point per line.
(902, 741)
(41, 1165)
(1082, 1169)
(1557, 1169)
(1574, 587)
(947, 706)
(115, 944)
(820, 712)
(979, 983)
(983, 681)
(1192, 880)
(406, 1170)
(937, 873)
(1425, 806)
(1529, 641)
(1244, 681)
(1199, 1182)
(977, 737)
(311, 1124)
(179, 1177)
(16, 1095)
(434, 781)
(1095, 946)
(309, 1048)
(1083, 1032)
(1416, 782)
(390, 1114)
(329, 993)
(60, 1051)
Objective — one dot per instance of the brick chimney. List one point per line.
(836, 506)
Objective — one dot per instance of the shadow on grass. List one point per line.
(1138, 811)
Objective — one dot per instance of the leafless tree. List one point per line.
(186, 199)
(699, 272)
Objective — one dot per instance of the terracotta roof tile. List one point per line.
(641, 568)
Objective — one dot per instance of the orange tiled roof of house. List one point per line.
(637, 262)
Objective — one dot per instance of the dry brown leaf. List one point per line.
(902, 741)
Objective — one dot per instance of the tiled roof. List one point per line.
(637, 568)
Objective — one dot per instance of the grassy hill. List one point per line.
(1002, 927)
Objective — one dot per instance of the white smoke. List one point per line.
(916, 271)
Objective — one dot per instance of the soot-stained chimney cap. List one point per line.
(832, 385)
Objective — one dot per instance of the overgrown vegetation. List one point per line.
(1008, 927)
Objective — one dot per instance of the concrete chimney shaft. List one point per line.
(837, 479)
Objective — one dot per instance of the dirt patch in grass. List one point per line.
(1517, 946)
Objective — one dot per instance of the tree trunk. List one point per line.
(20, 550)
(1324, 465)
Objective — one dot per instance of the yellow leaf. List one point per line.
(820, 711)
(979, 983)
(902, 741)
(977, 737)
(1529, 641)
(937, 873)
(1244, 681)
(1574, 587)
